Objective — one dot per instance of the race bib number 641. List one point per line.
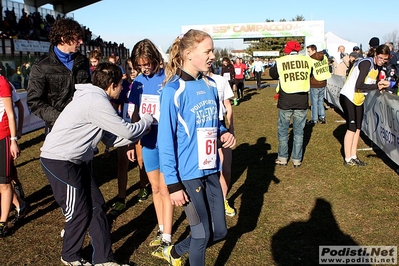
(207, 147)
(150, 105)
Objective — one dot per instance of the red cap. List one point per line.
(292, 46)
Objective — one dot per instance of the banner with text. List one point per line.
(381, 122)
(312, 30)
(31, 46)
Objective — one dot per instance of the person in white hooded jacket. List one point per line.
(66, 158)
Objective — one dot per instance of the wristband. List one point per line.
(14, 138)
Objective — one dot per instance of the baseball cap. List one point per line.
(374, 42)
(292, 46)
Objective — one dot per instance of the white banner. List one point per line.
(334, 86)
(381, 122)
(31, 46)
(31, 122)
(266, 53)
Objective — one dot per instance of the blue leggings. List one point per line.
(205, 213)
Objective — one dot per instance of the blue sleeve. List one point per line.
(134, 93)
(167, 134)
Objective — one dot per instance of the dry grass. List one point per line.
(284, 214)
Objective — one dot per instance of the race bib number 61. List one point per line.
(207, 147)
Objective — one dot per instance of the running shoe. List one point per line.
(142, 195)
(3, 229)
(358, 162)
(21, 213)
(81, 262)
(350, 163)
(280, 162)
(228, 210)
(159, 251)
(168, 257)
(117, 208)
(157, 241)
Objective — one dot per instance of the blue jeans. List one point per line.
(299, 120)
(317, 98)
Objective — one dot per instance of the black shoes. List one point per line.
(3, 229)
(322, 120)
(21, 213)
(358, 162)
(354, 162)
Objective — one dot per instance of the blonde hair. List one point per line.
(190, 40)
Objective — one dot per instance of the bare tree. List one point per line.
(392, 37)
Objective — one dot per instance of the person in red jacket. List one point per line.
(239, 69)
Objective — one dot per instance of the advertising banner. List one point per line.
(31, 46)
(381, 122)
(31, 122)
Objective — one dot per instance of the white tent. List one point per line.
(333, 41)
(164, 55)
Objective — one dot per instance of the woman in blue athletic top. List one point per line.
(144, 94)
(189, 132)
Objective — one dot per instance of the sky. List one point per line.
(129, 21)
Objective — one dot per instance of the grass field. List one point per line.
(283, 213)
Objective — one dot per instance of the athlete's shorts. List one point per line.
(353, 114)
(151, 159)
(7, 167)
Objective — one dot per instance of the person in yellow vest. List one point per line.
(318, 82)
(362, 78)
(293, 72)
